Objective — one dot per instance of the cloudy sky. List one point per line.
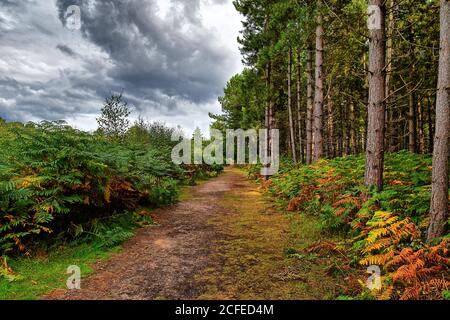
(171, 58)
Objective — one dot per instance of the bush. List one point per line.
(386, 229)
(53, 177)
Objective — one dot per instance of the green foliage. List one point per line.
(446, 295)
(332, 222)
(47, 271)
(242, 102)
(386, 229)
(273, 28)
(114, 118)
(334, 185)
(53, 178)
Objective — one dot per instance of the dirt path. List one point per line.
(222, 241)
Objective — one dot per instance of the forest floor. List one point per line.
(223, 240)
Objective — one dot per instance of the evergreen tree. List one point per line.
(114, 120)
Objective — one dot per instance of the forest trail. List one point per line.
(223, 240)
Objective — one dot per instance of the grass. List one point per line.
(259, 255)
(41, 275)
(46, 272)
(332, 195)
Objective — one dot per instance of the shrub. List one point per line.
(53, 177)
(386, 229)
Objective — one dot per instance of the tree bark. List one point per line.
(272, 105)
(421, 127)
(412, 117)
(430, 126)
(439, 193)
(389, 72)
(412, 132)
(299, 105)
(376, 108)
(310, 107)
(267, 111)
(318, 98)
(348, 133)
(354, 141)
(291, 116)
(340, 151)
(330, 122)
(271, 115)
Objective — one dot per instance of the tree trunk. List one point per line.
(331, 141)
(318, 99)
(272, 124)
(430, 126)
(412, 135)
(310, 107)
(377, 95)
(348, 133)
(291, 116)
(267, 111)
(421, 126)
(439, 193)
(389, 74)
(340, 148)
(267, 108)
(412, 118)
(272, 105)
(299, 105)
(354, 143)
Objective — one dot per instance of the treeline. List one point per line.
(336, 84)
(59, 184)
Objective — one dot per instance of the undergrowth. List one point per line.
(386, 229)
(64, 187)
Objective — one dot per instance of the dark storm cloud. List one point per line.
(151, 53)
(28, 102)
(65, 49)
(11, 3)
(168, 64)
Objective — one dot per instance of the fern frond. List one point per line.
(379, 259)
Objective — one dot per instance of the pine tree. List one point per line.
(376, 109)
(114, 120)
(439, 197)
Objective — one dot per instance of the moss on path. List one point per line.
(223, 240)
(258, 251)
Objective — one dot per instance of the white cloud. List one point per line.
(50, 72)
